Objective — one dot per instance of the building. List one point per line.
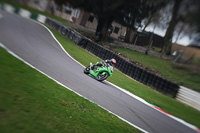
(77, 16)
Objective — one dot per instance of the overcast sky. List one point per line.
(183, 41)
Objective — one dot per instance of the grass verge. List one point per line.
(167, 104)
(182, 75)
(31, 102)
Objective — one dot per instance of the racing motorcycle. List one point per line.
(99, 72)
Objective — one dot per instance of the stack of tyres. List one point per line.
(77, 38)
(57, 26)
(92, 47)
(125, 67)
(48, 22)
(157, 83)
(104, 54)
(84, 45)
(95, 50)
(133, 69)
(82, 42)
(63, 31)
(146, 77)
(168, 87)
(121, 63)
(160, 85)
(53, 24)
(68, 32)
(150, 79)
(108, 54)
(173, 89)
(71, 35)
(99, 52)
(138, 73)
(89, 45)
(165, 86)
(142, 76)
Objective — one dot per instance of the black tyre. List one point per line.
(102, 77)
(86, 70)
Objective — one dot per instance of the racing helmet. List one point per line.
(113, 62)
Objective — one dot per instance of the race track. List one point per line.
(34, 44)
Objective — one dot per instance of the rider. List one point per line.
(111, 62)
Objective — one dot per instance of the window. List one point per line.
(59, 8)
(36, 2)
(91, 18)
(116, 30)
(68, 11)
(76, 13)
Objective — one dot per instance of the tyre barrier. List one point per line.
(132, 70)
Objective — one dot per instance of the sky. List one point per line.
(183, 41)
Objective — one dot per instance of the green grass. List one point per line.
(166, 103)
(31, 102)
(174, 72)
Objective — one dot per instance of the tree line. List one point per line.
(171, 15)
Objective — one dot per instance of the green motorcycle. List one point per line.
(99, 72)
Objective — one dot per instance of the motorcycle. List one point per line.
(99, 72)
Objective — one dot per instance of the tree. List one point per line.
(134, 16)
(126, 12)
(170, 30)
(181, 12)
(154, 13)
(105, 11)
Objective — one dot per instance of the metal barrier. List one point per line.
(189, 97)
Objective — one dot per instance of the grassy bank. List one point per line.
(31, 102)
(182, 75)
(168, 104)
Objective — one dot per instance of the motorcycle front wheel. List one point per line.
(102, 76)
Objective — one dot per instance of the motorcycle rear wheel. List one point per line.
(86, 70)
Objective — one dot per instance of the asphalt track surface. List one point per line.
(34, 44)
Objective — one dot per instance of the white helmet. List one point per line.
(113, 62)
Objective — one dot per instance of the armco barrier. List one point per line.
(162, 85)
(189, 97)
